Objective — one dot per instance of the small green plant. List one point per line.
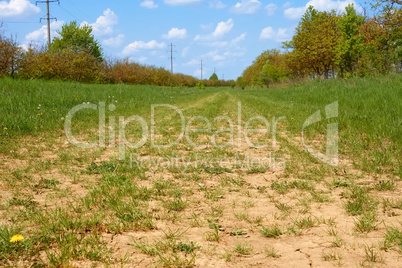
(336, 183)
(283, 207)
(237, 232)
(372, 256)
(393, 238)
(274, 231)
(227, 256)
(243, 249)
(176, 205)
(337, 242)
(280, 187)
(213, 235)
(366, 222)
(385, 186)
(186, 248)
(359, 201)
(305, 223)
(47, 183)
(272, 253)
(331, 256)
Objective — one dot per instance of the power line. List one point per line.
(7, 22)
(82, 12)
(48, 18)
(71, 14)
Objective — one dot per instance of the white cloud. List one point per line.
(322, 5)
(40, 35)
(280, 35)
(238, 39)
(227, 44)
(18, 9)
(218, 44)
(271, 8)
(149, 4)
(176, 33)
(216, 4)
(246, 7)
(141, 45)
(267, 33)
(287, 4)
(214, 55)
(221, 29)
(114, 41)
(181, 2)
(191, 62)
(227, 54)
(207, 27)
(104, 24)
(24, 47)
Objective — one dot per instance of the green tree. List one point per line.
(314, 44)
(252, 74)
(214, 77)
(10, 55)
(351, 43)
(271, 74)
(385, 35)
(77, 38)
(241, 82)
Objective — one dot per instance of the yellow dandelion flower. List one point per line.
(5, 128)
(16, 238)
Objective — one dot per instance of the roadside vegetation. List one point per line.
(330, 45)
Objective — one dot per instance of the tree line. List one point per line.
(77, 56)
(330, 45)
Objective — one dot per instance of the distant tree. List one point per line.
(351, 42)
(384, 35)
(252, 74)
(314, 44)
(241, 82)
(214, 77)
(77, 38)
(271, 73)
(10, 55)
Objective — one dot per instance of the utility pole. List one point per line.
(48, 18)
(171, 56)
(201, 69)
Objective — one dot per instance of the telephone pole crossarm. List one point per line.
(48, 18)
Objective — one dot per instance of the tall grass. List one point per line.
(370, 110)
(34, 107)
(370, 115)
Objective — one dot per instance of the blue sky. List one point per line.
(226, 35)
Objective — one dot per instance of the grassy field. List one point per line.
(194, 181)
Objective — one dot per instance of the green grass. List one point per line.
(243, 248)
(369, 116)
(273, 232)
(393, 239)
(369, 111)
(68, 202)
